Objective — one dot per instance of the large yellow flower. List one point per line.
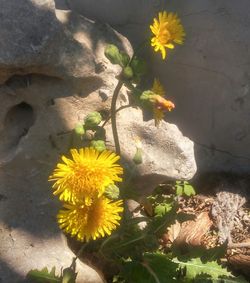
(159, 102)
(167, 30)
(85, 175)
(92, 221)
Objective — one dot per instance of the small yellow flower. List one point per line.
(85, 175)
(167, 30)
(160, 103)
(92, 221)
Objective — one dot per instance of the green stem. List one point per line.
(78, 255)
(117, 110)
(113, 116)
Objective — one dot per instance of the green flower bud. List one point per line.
(113, 54)
(69, 276)
(124, 58)
(127, 73)
(147, 96)
(92, 120)
(138, 156)
(98, 145)
(79, 129)
(116, 56)
(112, 192)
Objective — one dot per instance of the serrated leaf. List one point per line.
(204, 278)
(195, 267)
(44, 276)
(179, 190)
(162, 208)
(159, 223)
(154, 268)
(188, 190)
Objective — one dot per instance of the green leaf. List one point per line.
(195, 267)
(188, 189)
(163, 208)
(159, 223)
(44, 276)
(154, 268)
(184, 188)
(179, 190)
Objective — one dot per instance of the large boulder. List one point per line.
(166, 153)
(53, 73)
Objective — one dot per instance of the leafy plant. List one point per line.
(68, 275)
(184, 188)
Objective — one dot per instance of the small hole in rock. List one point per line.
(17, 123)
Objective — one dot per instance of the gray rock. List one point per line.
(51, 69)
(166, 153)
(53, 73)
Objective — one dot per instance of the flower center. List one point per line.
(163, 35)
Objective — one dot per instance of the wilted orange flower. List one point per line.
(160, 103)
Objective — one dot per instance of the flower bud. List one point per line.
(127, 73)
(99, 145)
(113, 54)
(92, 120)
(69, 275)
(138, 156)
(112, 192)
(79, 129)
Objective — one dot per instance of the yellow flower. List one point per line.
(160, 103)
(85, 175)
(167, 30)
(92, 221)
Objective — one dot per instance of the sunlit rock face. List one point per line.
(207, 77)
(52, 74)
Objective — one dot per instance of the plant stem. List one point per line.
(117, 110)
(113, 116)
(78, 255)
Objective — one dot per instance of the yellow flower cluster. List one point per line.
(80, 183)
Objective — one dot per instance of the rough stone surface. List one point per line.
(166, 153)
(53, 73)
(43, 95)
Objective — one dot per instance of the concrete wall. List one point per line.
(208, 77)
